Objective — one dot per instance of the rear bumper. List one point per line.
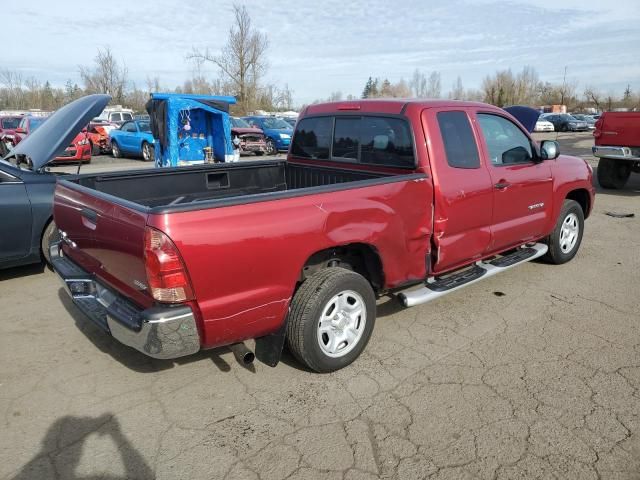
(159, 332)
(620, 153)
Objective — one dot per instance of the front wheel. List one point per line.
(613, 173)
(566, 237)
(147, 152)
(331, 319)
(49, 236)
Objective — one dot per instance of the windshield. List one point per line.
(276, 123)
(35, 123)
(10, 123)
(144, 126)
(579, 117)
(239, 123)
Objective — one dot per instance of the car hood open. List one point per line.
(59, 130)
(527, 116)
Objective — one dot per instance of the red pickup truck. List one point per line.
(414, 198)
(617, 145)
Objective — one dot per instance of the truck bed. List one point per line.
(206, 186)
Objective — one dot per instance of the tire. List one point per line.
(115, 149)
(564, 128)
(613, 173)
(564, 242)
(147, 152)
(49, 235)
(332, 294)
(271, 147)
(259, 154)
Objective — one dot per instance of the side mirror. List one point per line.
(549, 150)
(20, 130)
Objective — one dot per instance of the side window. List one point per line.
(507, 144)
(346, 138)
(457, 136)
(312, 138)
(386, 141)
(129, 127)
(116, 117)
(127, 116)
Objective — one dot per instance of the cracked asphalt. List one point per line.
(534, 373)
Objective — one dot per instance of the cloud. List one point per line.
(332, 45)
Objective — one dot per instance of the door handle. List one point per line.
(89, 214)
(502, 185)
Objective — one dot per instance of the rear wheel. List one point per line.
(147, 152)
(331, 319)
(115, 149)
(613, 173)
(271, 147)
(564, 242)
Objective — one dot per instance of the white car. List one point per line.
(543, 125)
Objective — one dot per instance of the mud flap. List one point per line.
(269, 348)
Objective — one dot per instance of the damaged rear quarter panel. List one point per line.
(244, 260)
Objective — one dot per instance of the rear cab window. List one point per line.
(458, 140)
(366, 139)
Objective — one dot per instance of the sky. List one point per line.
(322, 46)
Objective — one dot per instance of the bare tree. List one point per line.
(434, 86)
(593, 96)
(106, 76)
(242, 60)
(457, 91)
(418, 84)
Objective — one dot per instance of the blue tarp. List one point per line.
(185, 124)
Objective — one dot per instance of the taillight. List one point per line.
(166, 274)
(598, 128)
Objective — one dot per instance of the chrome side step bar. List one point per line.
(436, 288)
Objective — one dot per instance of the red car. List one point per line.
(8, 124)
(247, 138)
(78, 151)
(376, 197)
(99, 136)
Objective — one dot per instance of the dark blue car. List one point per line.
(26, 187)
(277, 131)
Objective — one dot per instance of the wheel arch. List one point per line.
(581, 195)
(362, 258)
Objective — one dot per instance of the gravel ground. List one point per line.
(534, 373)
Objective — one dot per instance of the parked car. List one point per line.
(249, 139)
(291, 121)
(563, 122)
(277, 131)
(171, 261)
(116, 114)
(27, 125)
(591, 122)
(26, 187)
(617, 145)
(99, 136)
(133, 138)
(8, 125)
(543, 125)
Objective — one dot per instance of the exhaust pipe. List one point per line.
(242, 353)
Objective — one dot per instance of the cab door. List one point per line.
(522, 183)
(15, 218)
(463, 203)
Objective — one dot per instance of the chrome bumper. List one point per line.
(159, 332)
(620, 153)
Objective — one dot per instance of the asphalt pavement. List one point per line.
(533, 373)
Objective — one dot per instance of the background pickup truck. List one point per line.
(375, 197)
(617, 145)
